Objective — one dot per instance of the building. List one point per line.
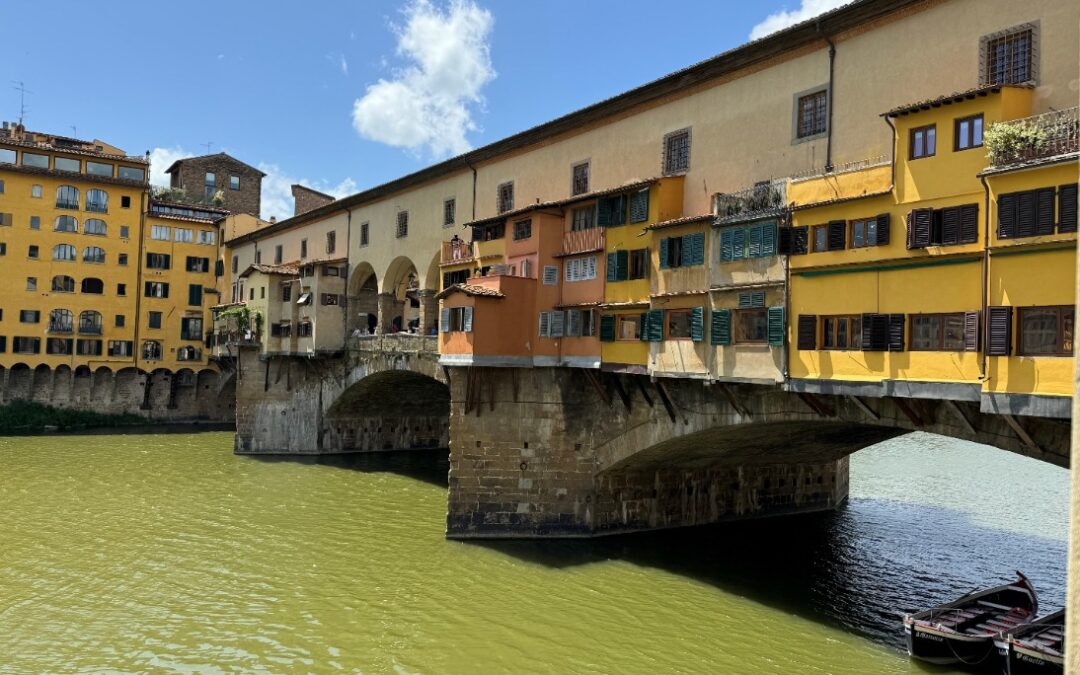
(219, 180)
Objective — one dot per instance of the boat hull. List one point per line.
(1024, 663)
(932, 646)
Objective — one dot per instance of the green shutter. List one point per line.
(444, 320)
(720, 328)
(738, 243)
(467, 320)
(195, 295)
(622, 265)
(611, 267)
(776, 327)
(639, 206)
(618, 210)
(727, 239)
(656, 325)
(664, 246)
(697, 324)
(607, 328)
(643, 333)
(768, 239)
(754, 250)
(693, 249)
(603, 213)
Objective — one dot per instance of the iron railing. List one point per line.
(1049, 134)
(763, 199)
(456, 252)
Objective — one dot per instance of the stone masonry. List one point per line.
(189, 174)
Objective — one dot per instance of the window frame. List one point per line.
(912, 133)
(939, 340)
(402, 227)
(737, 328)
(523, 229)
(971, 119)
(449, 211)
(987, 62)
(797, 116)
(621, 319)
(504, 197)
(582, 181)
(668, 167)
(1060, 335)
(854, 322)
(669, 314)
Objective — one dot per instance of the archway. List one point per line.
(390, 410)
(399, 302)
(363, 305)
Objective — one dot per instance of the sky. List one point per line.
(343, 96)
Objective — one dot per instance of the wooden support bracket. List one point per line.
(952, 405)
(594, 380)
(863, 406)
(818, 405)
(266, 377)
(742, 410)
(1024, 436)
(665, 399)
(514, 383)
(621, 392)
(640, 379)
(910, 412)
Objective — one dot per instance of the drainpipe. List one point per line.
(985, 273)
(144, 206)
(829, 122)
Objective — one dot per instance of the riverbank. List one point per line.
(22, 418)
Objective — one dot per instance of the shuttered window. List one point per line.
(545, 324)
(629, 326)
(551, 275)
(1046, 331)
(697, 324)
(556, 324)
(682, 251)
(611, 211)
(580, 269)
(654, 325)
(639, 206)
(837, 231)
(998, 331)
(618, 266)
(1031, 213)
(751, 299)
(841, 332)
(939, 332)
(875, 333)
(751, 326)
(748, 241)
(943, 227)
(639, 263)
(777, 326)
(607, 328)
(459, 320)
(807, 332)
(720, 327)
(870, 231)
(195, 293)
(1067, 208)
(792, 240)
(677, 324)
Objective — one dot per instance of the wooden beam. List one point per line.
(665, 399)
(909, 411)
(952, 405)
(730, 396)
(863, 406)
(266, 377)
(816, 404)
(621, 392)
(1020, 431)
(491, 389)
(640, 379)
(514, 383)
(597, 385)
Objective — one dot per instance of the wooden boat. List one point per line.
(1037, 648)
(963, 631)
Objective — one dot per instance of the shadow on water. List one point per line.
(858, 568)
(429, 466)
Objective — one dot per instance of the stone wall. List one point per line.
(192, 178)
(161, 395)
(305, 199)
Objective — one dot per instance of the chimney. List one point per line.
(273, 219)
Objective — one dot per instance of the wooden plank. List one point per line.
(597, 385)
(909, 411)
(621, 392)
(865, 407)
(1014, 424)
(731, 399)
(952, 405)
(640, 379)
(665, 399)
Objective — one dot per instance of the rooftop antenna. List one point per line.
(74, 132)
(20, 87)
(208, 145)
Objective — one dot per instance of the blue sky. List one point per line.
(346, 95)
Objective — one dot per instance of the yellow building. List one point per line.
(71, 215)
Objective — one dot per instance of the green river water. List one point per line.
(167, 553)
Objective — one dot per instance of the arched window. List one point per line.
(64, 252)
(90, 322)
(63, 284)
(67, 197)
(151, 350)
(97, 200)
(92, 285)
(187, 353)
(66, 224)
(60, 321)
(94, 226)
(93, 254)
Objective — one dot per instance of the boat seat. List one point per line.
(987, 603)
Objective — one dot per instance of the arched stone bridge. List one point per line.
(572, 452)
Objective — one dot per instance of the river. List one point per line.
(167, 553)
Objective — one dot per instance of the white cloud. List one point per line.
(277, 200)
(808, 9)
(344, 66)
(161, 159)
(428, 104)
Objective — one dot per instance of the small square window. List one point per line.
(121, 289)
(124, 232)
(677, 152)
(811, 114)
(119, 320)
(122, 259)
(522, 230)
(234, 182)
(35, 222)
(923, 142)
(402, 224)
(125, 202)
(31, 283)
(32, 252)
(35, 191)
(155, 319)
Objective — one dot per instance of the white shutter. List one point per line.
(444, 319)
(589, 264)
(556, 324)
(551, 275)
(570, 267)
(467, 322)
(545, 324)
(573, 323)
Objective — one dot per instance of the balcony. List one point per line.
(454, 252)
(60, 327)
(764, 199)
(89, 329)
(583, 241)
(1029, 139)
(67, 204)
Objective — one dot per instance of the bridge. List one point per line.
(558, 452)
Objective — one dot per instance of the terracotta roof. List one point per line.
(470, 290)
(571, 305)
(559, 203)
(9, 140)
(685, 220)
(810, 32)
(226, 155)
(319, 261)
(285, 270)
(949, 99)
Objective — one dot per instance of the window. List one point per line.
(522, 230)
(331, 242)
(31, 283)
(812, 114)
(937, 332)
(65, 224)
(191, 328)
(1046, 331)
(580, 269)
(122, 259)
(628, 327)
(99, 169)
(94, 226)
(364, 229)
(125, 200)
(35, 191)
(35, 160)
(278, 251)
(195, 264)
(97, 200)
(88, 347)
(677, 324)
(234, 182)
(131, 173)
(205, 237)
(968, 132)
(93, 254)
(3, 248)
(58, 345)
(92, 286)
(90, 323)
(550, 275)
(751, 326)
(183, 234)
(210, 180)
(64, 252)
(67, 197)
(32, 252)
(579, 179)
(304, 329)
(7, 156)
(1006, 57)
(156, 289)
(820, 234)
(1031, 213)
(119, 321)
(61, 321)
(449, 209)
(63, 284)
(923, 142)
(683, 251)
(748, 241)
(639, 263)
(1, 187)
(35, 222)
(6, 219)
(402, 224)
(865, 232)
(580, 323)
(235, 263)
(151, 350)
(583, 218)
(195, 295)
(677, 152)
(158, 260)
(121, 289)
(120, 347)
(26, 345)
(505, 197)
(124, 232)
(29, 316)
(945, 227)
(160, 232)
(154, 319)
(286, 291)
(456, 320)
(841, 332)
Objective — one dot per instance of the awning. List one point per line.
(303, 299)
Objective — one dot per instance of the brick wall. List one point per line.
(305, 199)
(192, 178)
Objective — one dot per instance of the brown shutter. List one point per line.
(950, 225)
(971, 331)
(969, 223)
(999, 331)
(920, 224)
(783, 245)
(836, 232)
(1006, 216)
(1067, 208)
(883, 229)
(896, 332)
(1044, 211)
(1025, 214)
(800, 238)
(807, 337)
(875, 332)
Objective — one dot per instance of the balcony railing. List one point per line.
(67, 204)
(60, 327)
(89, 329)
(1042, 136)
(456, 251)
(583, 240)
(763, 199)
